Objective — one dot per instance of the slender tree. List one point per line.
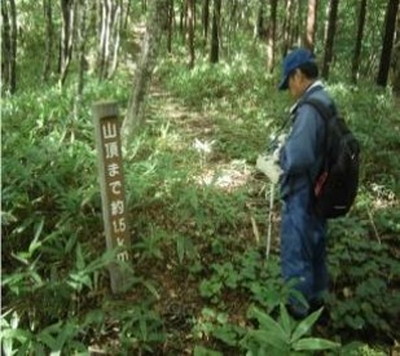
(390, 22)
(396, 59)
(49, 37)
(333, 10)
(14, 31)
(5, 46)
(205, 20)
(182, 20)
(67, 33)
(147, 61)
(104, 39)
(171, 15)
(287, 23)
(9, 45)
(110, 27)
(294, 32)
(190, 17)
(126, 14)
(311, 26)
(259, 28)
(82, 33)
(271, 42)
(215, 32)
(357, 49)
(116, 28)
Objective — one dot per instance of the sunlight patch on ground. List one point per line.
(228, 176)
(384, 197)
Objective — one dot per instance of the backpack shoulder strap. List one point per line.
(324, 110)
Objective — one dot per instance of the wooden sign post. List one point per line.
(108, 143)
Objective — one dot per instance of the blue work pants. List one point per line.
(303, 247)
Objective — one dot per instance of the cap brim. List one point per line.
(284, 84)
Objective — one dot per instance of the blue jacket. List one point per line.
(301, 156)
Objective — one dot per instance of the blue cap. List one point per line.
(293, 60)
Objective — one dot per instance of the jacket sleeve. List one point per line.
(299, 154)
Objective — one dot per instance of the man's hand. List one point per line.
(269, 166)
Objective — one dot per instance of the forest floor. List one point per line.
(180, 302)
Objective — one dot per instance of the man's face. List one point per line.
(296, 85)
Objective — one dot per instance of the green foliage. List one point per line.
(284, 337)
(58, 338)
(212, 323)
(365, 297)
(142, 329)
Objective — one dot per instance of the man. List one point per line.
(297, 163)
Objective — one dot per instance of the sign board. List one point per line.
(109, 153)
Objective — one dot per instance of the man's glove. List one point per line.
(269, 166)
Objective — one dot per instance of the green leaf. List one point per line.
(285, 320)
(351, 349)
(66, 333)
(94, 317)
(180, 247)
(80, 261)
(150, 287)
(23, 350)
(39, 350)
(271, 338)
(308, 344)
(202, 351)
(70, 243)
(48, 339)
(35, 244)
(305, 325)
(17, 334)
(268, 323)
(226, 334)
(143, 327)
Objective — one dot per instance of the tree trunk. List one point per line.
(182, 20)
(233, 16)
(67, 32)
(259, 28)
(13, 79)
(5, 47)
(104, 43)
(82, 31)
(171, 15)
(145, 67)
(330, 38)
(357, 49)
(191, 9)
(296, 36)
(48, 40)
(390, 22)
(271, 46)
(205, 19)
(214, 56)
(116, 28)
(311, 27)
(396, 60)
(9, 46)
(287, 26)
(126, 16)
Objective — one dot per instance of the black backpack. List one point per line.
(335, 186)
